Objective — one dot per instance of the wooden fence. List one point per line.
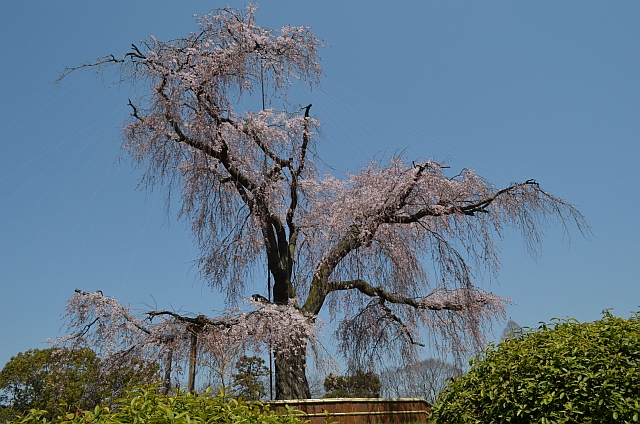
(358, 410)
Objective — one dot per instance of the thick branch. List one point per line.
(200, 321)
(319, 285)
(426, 303)
(470, 209)
(295, 174)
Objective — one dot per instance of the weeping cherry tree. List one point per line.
(389, 251)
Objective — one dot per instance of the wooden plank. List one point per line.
(359, 410)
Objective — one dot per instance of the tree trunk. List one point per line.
(291, 377)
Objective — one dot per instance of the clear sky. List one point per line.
(547, 90)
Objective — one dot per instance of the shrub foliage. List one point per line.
(145, 405)
(564, 372)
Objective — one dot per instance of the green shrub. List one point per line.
(145, 406)
(566, 372)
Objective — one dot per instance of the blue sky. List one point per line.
(515, 90)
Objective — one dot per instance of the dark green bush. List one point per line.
(145, 406)
(564, 372)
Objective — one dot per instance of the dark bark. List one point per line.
(290, 366)
(291, 378)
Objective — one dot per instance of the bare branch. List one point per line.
(389, 313)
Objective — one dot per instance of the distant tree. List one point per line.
(511, 330)
(23, 382)
(425, 379)
(316, 385)
(220, 354)
(248, 381)
(51, 378)
(388, 250)
(361, 384)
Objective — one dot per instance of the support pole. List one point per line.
(270, 353)
(191, 385)
(166, 384)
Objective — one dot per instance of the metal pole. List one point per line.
(270, 354)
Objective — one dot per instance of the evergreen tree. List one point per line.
(248, 381)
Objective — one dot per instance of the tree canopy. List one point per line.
(360, 384)
(564, 372)
(248, 380)
(389, 250)
(49, 379)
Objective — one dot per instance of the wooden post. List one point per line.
(192, 359)
(166, 384)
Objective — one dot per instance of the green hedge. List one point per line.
(144, 405)
(564, 372)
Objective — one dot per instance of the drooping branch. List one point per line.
(443, 209)
(391, 315)
(242, 181)
(280, 162)
(125, 315)
(471, 208)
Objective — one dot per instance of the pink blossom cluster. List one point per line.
(113, 331)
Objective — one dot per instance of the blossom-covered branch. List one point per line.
(118, 335)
